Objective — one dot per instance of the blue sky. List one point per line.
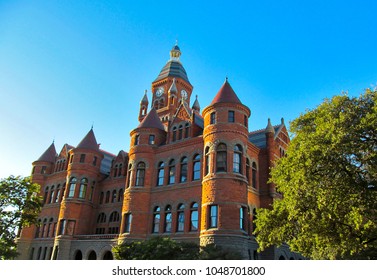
(68, 65)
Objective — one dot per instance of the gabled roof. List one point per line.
(226, 95)
(49, 155)
(152, 120)
(89, 142)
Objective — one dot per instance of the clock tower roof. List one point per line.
(173, 68)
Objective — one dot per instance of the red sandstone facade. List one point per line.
(188, 175)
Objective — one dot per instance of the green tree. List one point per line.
(329, 183)
(19, 207)
(164, 248)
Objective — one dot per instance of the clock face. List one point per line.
(159, 91)
(184, 94)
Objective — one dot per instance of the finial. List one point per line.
(176, 42)
(226, 78)
(92, 126)
(269, 127)
(282, 121)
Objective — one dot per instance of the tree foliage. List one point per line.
(164, 248)
(329, 183)
(19, 207)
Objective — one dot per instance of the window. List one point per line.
(45, 195)
(82, 158)
(221, 158)
(151, 139)
(245, 120)
(168, 219)
(136, 141)
(160, 174)
(52, 192)
(57, 195)
(213, 216)
(231, 116)
(101, 218)
(181, 218)
(114, 196)
(180, 132)
(114, 217)
(72, 186)
(242, 218)
(213, 118)
(174, 134)
(248, 170)
(43, 170)
(71, 158)
(156, 220)
(207, 160)
(92, 191)
(101, 198)
(95, 161)
(171, 172)
(140, 174)
(187, 130)
(128, 220)
(116, 170)
(183, 177)
(194, 217)
(254, 220)
(62, 226)
(196, 168)
(120, 195)
(237, 159)
(107, 200)
(120, 170)
(254, 175)
(83, 186)
(129, 175)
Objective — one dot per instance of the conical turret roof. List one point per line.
(226, 95)
(196, 105)
(89, 141)
(49, 155)
(152, 120)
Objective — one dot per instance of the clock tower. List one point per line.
(171, 87)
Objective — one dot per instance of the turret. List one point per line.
(224, 186)
(143, 107)
(44, 165)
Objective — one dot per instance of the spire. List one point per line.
(145, 98)
(175, 52)
(269, 127)
(49, 155)
(173, 87)
(152, 121)
(89, 141)
(196, 105)
(226, 94)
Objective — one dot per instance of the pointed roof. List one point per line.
(226, 95)
(89, 141)
(173, 87)
(196, 105)
(269, 127)
(145, 98)
(152, 120)
(49, 155)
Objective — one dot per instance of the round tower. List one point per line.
(224, 186)
(77, 206)
(144, 139)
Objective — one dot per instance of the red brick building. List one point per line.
(189, 175)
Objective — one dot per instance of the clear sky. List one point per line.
(68, 65)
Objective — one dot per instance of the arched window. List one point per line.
(181, 218)
(221, 158)
(140, 174)
(107, 197)
(101, 218)
(187, 130)
(248, 171)
(83, 186)
(183, 176)
(168, 219)
(174, 134)
(72, 186)
(237, 159)
(120, 170)
(129, 175)
(254, 175)
(45, 195)
(156, 220)
(160, 174)
(52, 192)
(194, 217)
(120, 195)
(114, 217)
(113, 196)
(196, 168)
(207, 160)
(101, 198)
(171, 172)
(180, 132)
(57, 195)
(115, 170)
